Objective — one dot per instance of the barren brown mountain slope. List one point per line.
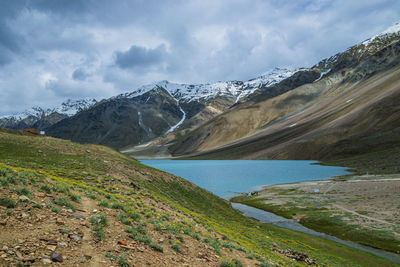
(327, 119)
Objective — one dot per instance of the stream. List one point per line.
(268, 217)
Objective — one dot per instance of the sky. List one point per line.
(51, 51)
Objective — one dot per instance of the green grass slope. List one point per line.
(164, 204)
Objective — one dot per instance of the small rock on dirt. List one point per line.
(19, 255)
(76, 238)
(51, 247)
(63, 244)
(56, 257)
(122, 242)
(46, 261)
(77, 216)
(23, 198)
(52, 242)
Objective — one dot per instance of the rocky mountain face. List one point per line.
(349, 110)
(122, 120)
(151, 111)
(256, 110)
(41, 118)
(159, 109)
(360, 52)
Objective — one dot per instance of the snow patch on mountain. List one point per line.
(69, 108)
(323, 73)
(176, 126)
(395, 29)
(238, 89)
(173, 128)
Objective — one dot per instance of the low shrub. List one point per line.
(7, 202)
(231, 263)
(99, 222)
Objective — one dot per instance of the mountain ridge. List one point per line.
(309, 133)
(37, 117)
(357, 63)
(179, 110)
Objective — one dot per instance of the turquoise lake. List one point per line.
(225, 178)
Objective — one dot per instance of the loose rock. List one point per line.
(46, 261)
(63, 244)
(122, 242)
(76, 238)
(77, 216)
(56, 257)
(51, 247)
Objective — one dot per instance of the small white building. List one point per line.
(42, 132)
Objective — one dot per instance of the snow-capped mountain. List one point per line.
(161, 108)
(189, 98)
(361, 51)
(196, 92)
(33, 116)
(71, 107)
(388, 33)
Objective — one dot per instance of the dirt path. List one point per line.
(360, 215)
(329, 188)
(87, 241)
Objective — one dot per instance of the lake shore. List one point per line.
(364, 209)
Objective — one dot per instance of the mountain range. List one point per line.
(41, 118)
(342, 106)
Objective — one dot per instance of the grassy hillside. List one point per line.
(96, 206)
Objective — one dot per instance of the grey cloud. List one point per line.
(10, 41)
(5, 56)
(185, 41)
(63, 8)
(79, 75)
(140, 57)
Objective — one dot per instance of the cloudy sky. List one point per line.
(54, 50)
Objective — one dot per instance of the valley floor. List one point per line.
(364, 209)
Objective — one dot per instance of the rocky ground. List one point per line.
(37, 232)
